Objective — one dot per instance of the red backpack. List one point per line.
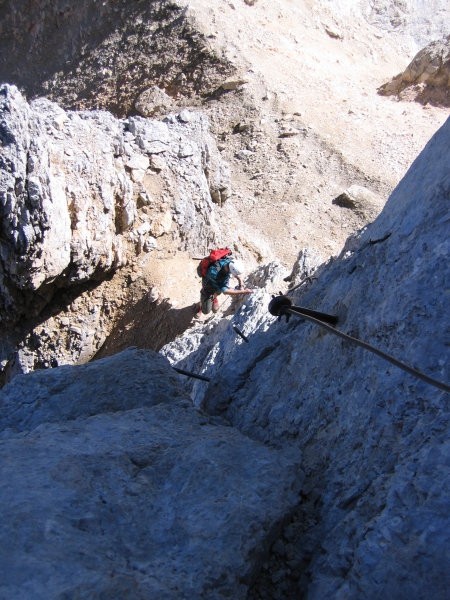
(213, 256)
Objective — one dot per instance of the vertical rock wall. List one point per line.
(82, 195)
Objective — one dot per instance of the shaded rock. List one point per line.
(134, 378)
(288, 132)
(243, 127)
(333, 31)
(146, 498)
(117, 57)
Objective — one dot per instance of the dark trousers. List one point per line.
(207, 299)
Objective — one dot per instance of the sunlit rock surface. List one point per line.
(374, 519)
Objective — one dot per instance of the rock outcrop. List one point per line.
(118, 488)
(414, 20)
(83, 194)
(373, 521)
(426, 79)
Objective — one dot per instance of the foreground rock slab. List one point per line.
(147, 499)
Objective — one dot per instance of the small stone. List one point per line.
(184, 116)
(138, 161)
(157, 163)
(185, 151)
(233, 84)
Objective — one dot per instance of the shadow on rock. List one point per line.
(147, 325)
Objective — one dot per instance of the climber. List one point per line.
(216, 282)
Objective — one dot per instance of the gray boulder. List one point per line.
(361, 201)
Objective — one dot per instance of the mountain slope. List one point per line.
(290, 88)
(373, 438)
(306, 467)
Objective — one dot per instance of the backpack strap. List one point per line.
(223, 262)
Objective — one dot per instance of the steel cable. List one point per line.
(282, 306)
(384, 355)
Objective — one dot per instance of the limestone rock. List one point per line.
(307, 263)
(153, 102)
(81, 195)
(68, 228)
(333, 31)
(162, 224)
(427, 78)
(362, 201)
(374, 438)
(117, 487)
(415, 19)
(233, 84)
(131, 379)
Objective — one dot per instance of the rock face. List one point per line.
(93, 193)
(118, 488)
(310, 466)
(374, 439)
(421, 22)
(427, 78)
(83, 194)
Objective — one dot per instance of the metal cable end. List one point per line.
(278, 306)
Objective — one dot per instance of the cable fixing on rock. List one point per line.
(281, 306)
(189, 374)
